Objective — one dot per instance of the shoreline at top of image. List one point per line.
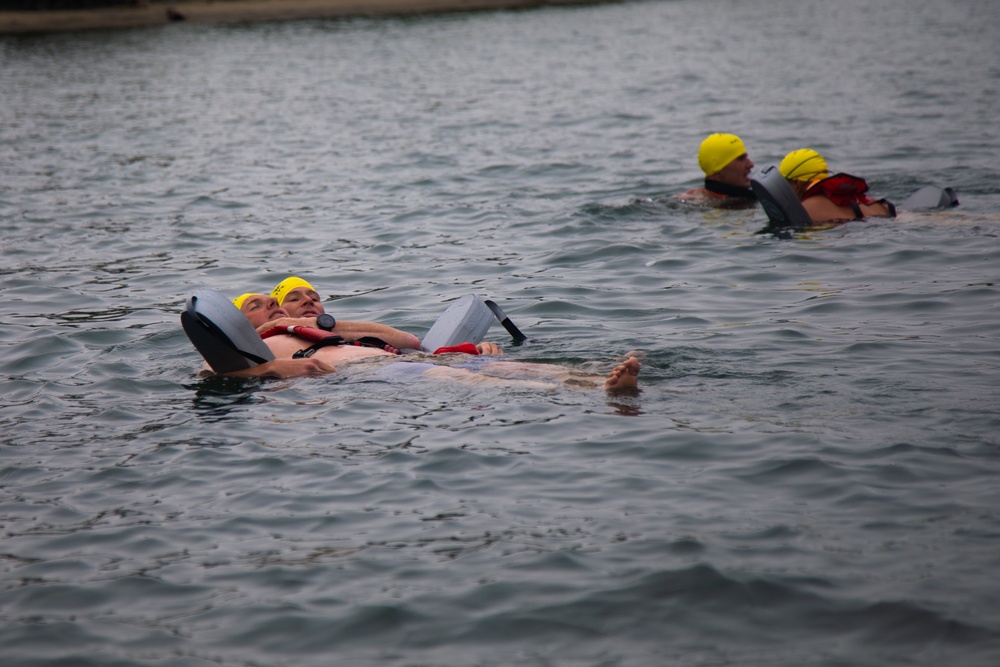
(32, 16)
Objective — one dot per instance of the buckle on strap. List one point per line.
(307, 352)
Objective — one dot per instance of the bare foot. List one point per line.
(623, 376)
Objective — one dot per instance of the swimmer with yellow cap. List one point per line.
(727, 166)
(804, 165)
(302, 303)
(259, 308)
(298, 297)
(830, 199)
(238, 301)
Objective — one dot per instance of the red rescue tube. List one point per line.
(305, 333)
(467, 348)
(315, 335)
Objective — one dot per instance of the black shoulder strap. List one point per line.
(729, 190)
(364, 341)
(311, 350)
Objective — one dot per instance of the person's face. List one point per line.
(736, 173)
(260, 308)
(302, 302)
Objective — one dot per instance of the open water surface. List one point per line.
(809, 475)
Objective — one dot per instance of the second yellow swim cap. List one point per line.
(805, 164)
(238, 301)
(286, 286)
(717, 151)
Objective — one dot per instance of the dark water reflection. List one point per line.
(807, 476)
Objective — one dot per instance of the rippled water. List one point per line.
(808, 476)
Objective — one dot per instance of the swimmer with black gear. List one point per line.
(727, 166)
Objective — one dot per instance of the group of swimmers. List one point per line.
(295, 303)
(826, 198)
(727, 166)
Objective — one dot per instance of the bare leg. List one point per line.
(624, 376)
(469, 377)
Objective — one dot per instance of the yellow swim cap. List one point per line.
(286, 286)
(717, 151)
(238, 301)
(804, 164)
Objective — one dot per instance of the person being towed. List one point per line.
(830, 199)
(264, 312)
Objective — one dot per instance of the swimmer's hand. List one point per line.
(285, 368)
(489, 348)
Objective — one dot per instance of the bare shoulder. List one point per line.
(694, 196)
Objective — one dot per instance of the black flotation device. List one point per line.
(778, 199)
(221, 333)
(929, 197)
(467, 320)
